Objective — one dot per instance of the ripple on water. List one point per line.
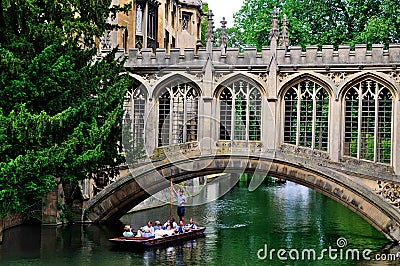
(224, 226)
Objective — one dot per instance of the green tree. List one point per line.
(60, 110)
(252, 23)
(204, 23)
(320, 22)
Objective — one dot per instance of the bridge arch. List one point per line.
(118, 198)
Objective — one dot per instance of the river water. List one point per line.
(242, 229)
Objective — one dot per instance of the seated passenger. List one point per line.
(166, 224)
(159, 231)
(127, 231)
(147, 230)
(156, 224)
(170, 221)
(180, 229)
(169, 231)
(190, 225)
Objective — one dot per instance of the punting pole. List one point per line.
(170, 199)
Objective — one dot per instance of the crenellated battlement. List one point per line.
(343, 55)
(249, 57)
(294, 56)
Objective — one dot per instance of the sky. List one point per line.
(224, 8)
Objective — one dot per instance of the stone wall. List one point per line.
(51, 210)
(8, 222)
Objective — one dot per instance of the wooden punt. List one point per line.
(150, 242)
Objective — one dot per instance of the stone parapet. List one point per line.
(354, 167)
(328, 56)
(294, 56)
(147, 59)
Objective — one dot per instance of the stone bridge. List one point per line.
(365, 192)
(326, 118)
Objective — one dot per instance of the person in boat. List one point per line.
(127, 231)
(159, 231)
(166, 224)
(172, 222)
(170, 230)
(181, 204)
(191, 225)
(157, 225)
(181, 228)
(147, 230)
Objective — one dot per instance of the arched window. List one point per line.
(134, 119)
(368, 122)
(240, 111)
(178, 114)
(306, 115)
(139, 19)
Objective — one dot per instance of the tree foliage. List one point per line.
(60, 111)
(204, 23)
(320, 22)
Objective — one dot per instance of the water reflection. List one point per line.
(238, 225)
(13, 248)
(177, 254)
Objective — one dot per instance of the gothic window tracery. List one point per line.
(178, 114)
(106, 40)
(134, 118)
(185, 22)
(306, 114)
(368, 122)
(240, 104)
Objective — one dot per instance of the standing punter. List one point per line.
(181, 201)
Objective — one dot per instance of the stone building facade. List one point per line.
(155, 24)
(340, 103)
